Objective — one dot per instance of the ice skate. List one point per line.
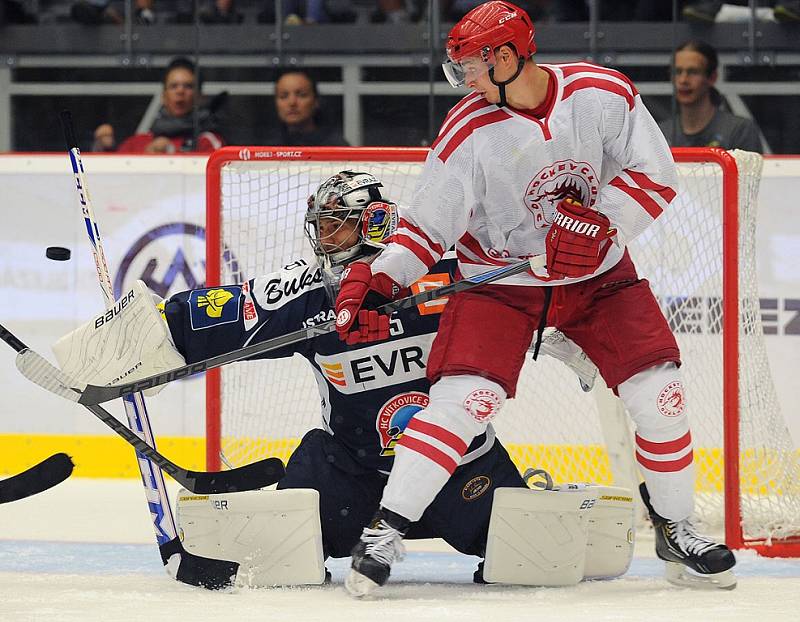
(683, 549)
(380, 545)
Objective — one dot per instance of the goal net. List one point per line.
(699, 257)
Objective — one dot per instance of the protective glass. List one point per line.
(469, 68)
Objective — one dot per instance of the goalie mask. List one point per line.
(347, 220)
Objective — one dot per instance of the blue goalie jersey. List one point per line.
(368, 392)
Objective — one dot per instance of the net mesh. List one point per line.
(267, 406)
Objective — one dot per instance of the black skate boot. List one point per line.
(681, 547)
(380, 545)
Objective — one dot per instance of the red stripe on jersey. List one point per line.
(665, 466)
(439, 433)
(571, 70)
(598, 83)
(422, 253)
(463, 102)
(472, 245)
(668, 447)
(665, 192)
(436, 248)
(640, 196)
(461, 135)
(430, 452)
(448, 125)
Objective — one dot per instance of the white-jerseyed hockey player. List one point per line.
(557, 159)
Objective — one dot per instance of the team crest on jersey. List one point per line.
(214, 306)
(670, 401)
(394, 415)
(482, 404)
(556, 181)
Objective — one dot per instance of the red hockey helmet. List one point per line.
(490, 25)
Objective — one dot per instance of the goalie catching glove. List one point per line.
(355, 322)
(129, 341)
(578, 240)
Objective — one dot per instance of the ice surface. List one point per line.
(85, 551)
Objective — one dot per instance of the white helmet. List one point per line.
(349, 196)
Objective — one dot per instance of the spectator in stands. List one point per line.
(700, 121)
(221, 12)
(13, 12)
(298, 12)
(94, 12)
(300, 116)
(173, 129)
(707, 10)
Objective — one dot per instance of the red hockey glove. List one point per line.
(578, 240)
(354, 323)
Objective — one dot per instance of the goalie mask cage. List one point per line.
(700, 259)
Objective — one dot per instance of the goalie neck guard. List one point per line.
(357, 220)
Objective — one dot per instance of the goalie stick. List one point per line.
(180, 564)
(249, 477)
(48, 473)
(90, 394)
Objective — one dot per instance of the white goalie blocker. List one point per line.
(559, 537)
(129, 341)
(274, 535)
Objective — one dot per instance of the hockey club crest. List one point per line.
(394, 415)
(475, 487)
(555, 182)
(670, 401)
(214, 306)
(482, 405)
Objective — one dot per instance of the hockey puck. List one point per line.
(58, 253)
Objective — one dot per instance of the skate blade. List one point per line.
(680, 575)
(358, 585)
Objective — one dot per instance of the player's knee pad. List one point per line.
(129, 341)
(559, 537)
(274, 535)
(656, 402)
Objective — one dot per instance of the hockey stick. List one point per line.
(90, 394)
(48, 473)
(183, 566)
(249, 477)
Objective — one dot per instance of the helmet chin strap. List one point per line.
(502, 85)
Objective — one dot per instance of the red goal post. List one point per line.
(700, 258)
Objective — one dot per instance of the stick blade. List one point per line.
(249, 477)
(38, 478)
(40, 371)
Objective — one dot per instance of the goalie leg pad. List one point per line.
(610, 542)
(538, 537)
(129, 341)
(274, 535)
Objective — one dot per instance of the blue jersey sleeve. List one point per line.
(214, 320)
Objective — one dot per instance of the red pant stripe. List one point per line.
(440, 434)
(430, 452)
(665, 466)
(668, 447)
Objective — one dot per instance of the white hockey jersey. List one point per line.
(494, 176)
